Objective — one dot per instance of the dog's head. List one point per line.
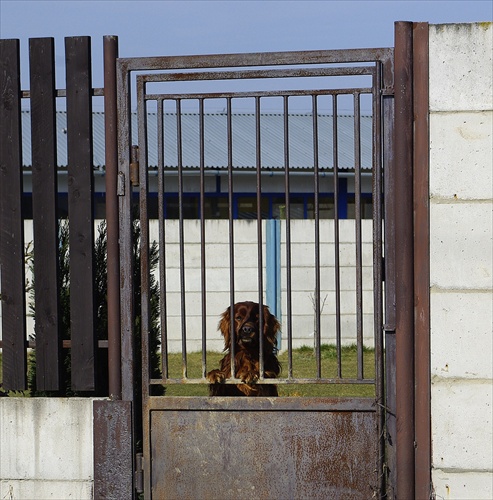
(246, 324)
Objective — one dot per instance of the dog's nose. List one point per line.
(247, 330)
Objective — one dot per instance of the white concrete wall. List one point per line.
(461, 123)
(46, 448)
(246, 278)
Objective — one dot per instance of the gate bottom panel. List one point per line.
(283, 454)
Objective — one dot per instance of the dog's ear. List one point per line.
(225, 327)
(271, 327)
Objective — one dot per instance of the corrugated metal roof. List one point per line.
(243, 140)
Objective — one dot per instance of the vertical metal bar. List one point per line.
(203, 282)
(377, 194)
(13, 281)
(258, 154)
(359, 260)
(110, 47)
(125, 219)
(422, 260)
(337, 264)
(141, 157)
(287, 189)
(389, 273)
(231, 235)
(317, 236)
(181, 238)
(45, 217)
(81, 199)
(162, 241)
(404, 260)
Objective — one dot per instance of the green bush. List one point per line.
(101, 316)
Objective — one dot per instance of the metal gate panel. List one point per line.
(282, 447)
(243, 451)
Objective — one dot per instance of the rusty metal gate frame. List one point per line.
(382, 59)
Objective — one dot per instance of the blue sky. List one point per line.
(147, 28)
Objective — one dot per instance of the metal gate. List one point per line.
(327, 443)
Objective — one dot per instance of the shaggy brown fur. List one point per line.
(246, 334)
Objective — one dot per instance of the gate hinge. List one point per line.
(388, 90)
(134, 166)
(139, 472)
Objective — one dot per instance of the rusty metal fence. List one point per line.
(179, 142)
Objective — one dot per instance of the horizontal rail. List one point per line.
(270, 381)
(323, 403)
(66, 344)
(254, 74)
(256, 59)
(263, 93)
(26, 94)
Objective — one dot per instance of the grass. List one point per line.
(304, 366)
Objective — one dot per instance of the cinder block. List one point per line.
(461, 334)
(461, 249)
(41, 490)
(462, 431)
(460, 67)
(461, 485)
(461, 155)
(46, 439)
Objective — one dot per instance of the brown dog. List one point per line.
(246, 352)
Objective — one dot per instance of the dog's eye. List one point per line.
(238, 318)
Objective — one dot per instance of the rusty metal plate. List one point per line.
(113, 470)
(262, 454)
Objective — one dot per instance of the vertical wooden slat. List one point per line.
(11, 223)
(44, 177)
(80, 191)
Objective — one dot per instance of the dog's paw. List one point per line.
(216, 377)
(249, 378)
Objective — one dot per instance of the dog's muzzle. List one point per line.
(247, 333)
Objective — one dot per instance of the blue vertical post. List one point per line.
(273, 269)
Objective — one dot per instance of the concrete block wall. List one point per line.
(246, 278)
(461, 235)
(303, 281)
(46, 448)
